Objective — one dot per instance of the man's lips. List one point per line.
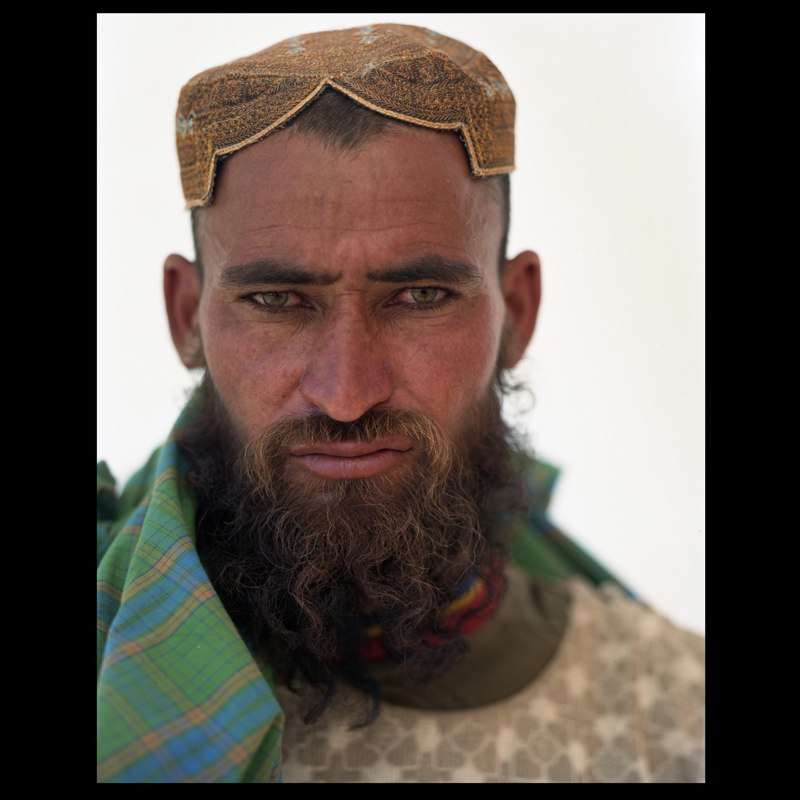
(344, 460)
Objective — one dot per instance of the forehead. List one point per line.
(400, 194)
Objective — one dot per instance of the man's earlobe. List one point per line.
(522, 291)
(182, 291)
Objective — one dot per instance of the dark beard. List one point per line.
(302, 566)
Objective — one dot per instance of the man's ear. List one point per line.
(522, 291)
(182, 291)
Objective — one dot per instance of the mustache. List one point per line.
(318, 428)
(271, 448)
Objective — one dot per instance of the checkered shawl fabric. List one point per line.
(179, 697)
(405, 72)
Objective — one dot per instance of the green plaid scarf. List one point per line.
(180, 697)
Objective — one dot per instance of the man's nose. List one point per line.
(349, 370)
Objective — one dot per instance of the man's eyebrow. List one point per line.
(429, 268)
(272, 272)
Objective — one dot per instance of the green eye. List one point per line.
(424, 296)
(273, 299)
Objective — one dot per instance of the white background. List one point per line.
(609, 190)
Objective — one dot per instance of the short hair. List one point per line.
(343, 124)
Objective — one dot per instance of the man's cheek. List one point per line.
(249, 364)
(450, 369)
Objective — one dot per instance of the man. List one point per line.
(331, 570)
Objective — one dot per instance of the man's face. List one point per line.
(339, 282)
(349, 287)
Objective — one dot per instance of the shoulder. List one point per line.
(642, 676)
(635, 629)
(114, 509)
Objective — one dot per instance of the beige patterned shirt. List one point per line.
(622, 700)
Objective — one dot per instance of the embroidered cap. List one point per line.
(401, 71)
